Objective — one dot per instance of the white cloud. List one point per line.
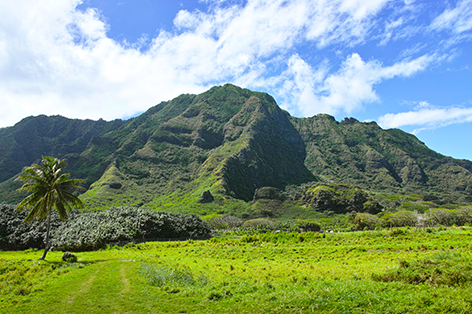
(389, 30)
(58, 60)
(346, 21)
(55, 59)
(315, 91)
(458, 19)
(426, 117)
(185, 19)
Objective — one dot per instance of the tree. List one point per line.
(51, 189)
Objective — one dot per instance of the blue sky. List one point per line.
(405, 64)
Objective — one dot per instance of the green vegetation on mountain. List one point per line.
(229, 143)
(363, 154)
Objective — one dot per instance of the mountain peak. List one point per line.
(229, 141)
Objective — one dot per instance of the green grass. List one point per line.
(267, 273)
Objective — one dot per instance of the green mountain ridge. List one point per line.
(231, 142)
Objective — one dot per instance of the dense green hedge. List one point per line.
(93, 230)
(15, 234)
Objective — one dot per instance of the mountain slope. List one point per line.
(366, 155)
(32, 137)
(229, 141)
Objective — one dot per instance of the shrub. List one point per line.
(224, 222)
(402, 219)
(444, 217)
(464, 215)
(69, 257)
(15, 234)
(367, 221)
(259, 222)
(94, 230)
(309, 226)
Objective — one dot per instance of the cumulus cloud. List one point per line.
(56, 59)
(315, 91)
(425, 117)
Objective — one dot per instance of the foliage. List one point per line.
(367, 221)
(15, 234)
(307, 225)
(69, 257)
(93, 230)
(401, 219)
(224, 222)
(51, 190)
(259, 222)
(262, 226)
(464, 215)
(339, 198)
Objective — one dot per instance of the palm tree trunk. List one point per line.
(46, 249)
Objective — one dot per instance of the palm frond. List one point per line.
(50, 187)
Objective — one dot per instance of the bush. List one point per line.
(464, 215)
(309, 226)
(89, 231)
(444, 217)
(15, 234)
(224, 222)
(94, 230)
(69, 257)
(367, 221)
(259, 222)
(402, 219)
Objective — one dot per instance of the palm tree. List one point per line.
(51, 189)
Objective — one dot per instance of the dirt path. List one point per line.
(125, 281)
(84, 287)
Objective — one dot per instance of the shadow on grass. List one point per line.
(83, 263)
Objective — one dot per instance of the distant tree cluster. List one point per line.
(435, 217)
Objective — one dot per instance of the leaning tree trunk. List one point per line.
(46, 249)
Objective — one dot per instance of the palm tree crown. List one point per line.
(51, 189)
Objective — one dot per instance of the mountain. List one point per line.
(228, 141)
(368, 156)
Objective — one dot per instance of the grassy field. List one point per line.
(402, 271)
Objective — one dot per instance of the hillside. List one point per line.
(229, 141)
(368, 156)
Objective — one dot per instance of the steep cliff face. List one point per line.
(366, 155)
(229, 141)
(270, 153)
(32, 137)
